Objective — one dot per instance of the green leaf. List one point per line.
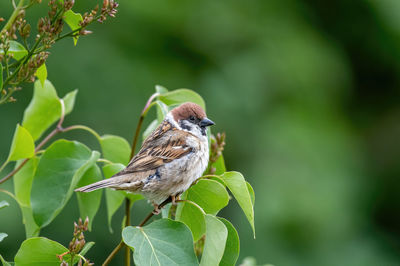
(41, 74)
(181, 96)
(237, 185)
(69, 101)
(115, 148)
(89, 203)
(40, 251)
(31, 228)
(153, 125)
(163, 242)
(2, 236)
(214, 245)
(4, 262)
(22, 145)
(73, 20)
(160, 89)
(193, 216)
(162, 110)
(22, 190)
(114, 198)
(4, 204)
(251, 191)
(232, 246)
(60, 169)
(43, 110)
(16, 49)
(209, 194)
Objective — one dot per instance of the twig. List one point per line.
(58, 129)
(14, 15)
(139, 125)
(127, 201)
(145, 220)
(113, 253)
(127, 223)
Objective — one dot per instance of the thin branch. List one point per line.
(139, 125)
(127, 223)
(58, 129)
(14, 15)
(113, 253)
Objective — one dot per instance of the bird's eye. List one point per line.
(191, 118)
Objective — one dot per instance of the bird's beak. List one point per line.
(206, 122)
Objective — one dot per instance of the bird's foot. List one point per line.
(174, 199)
(156, 210)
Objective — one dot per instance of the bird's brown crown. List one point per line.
(185, 110)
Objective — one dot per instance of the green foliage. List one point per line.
(45, 108)
(232, 246)
(60, 168)
(215, 241)
(115, 149)
(22, 145)
(163, 242)
(237, 185)
(180, 96)
(39, 251)
(193, 216)
(89, 203)
(73, 20)
(46, 181)
(16, 50)
(41, 74)
(209, 195)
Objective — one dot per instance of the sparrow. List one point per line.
(171, 158)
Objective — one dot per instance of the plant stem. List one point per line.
(14, 15)
(127, 223)
(55, 131)
(113, 253)
(139, 125)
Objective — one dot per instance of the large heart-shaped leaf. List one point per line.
(237, 185)
(45, 108)
(22, 145)
(115, 148)
(163, 242)
(40, 251)
(216, 235)
(89, 203)
(60, 169)
(209, 194)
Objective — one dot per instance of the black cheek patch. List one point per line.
(184, 125)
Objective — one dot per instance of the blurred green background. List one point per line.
(306, 91)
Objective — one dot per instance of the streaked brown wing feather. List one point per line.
(161, 147)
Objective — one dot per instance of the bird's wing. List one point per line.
(164, 145)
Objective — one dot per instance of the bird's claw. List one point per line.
(156, 210)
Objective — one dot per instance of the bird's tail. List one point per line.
(110, 182)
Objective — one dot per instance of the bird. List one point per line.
(170, 159)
